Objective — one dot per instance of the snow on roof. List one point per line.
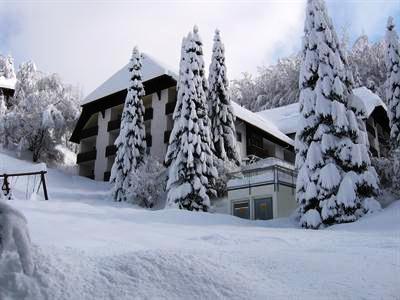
(286, 118)
(259, 122)
(151, 68)
(368, 99)
(8, 83)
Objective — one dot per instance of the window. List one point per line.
(238, 136)
(263, 209)
(241, 209)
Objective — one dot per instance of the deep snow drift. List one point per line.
(87, 247)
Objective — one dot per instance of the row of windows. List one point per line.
(257, 209)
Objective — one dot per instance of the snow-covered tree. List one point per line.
(43, 114)
(223, 132)
(7, 66)
(336, 182)
(14, 235)
(393, 97)
(173, 145)
(393, 82)
(191, 170)
(131, 142)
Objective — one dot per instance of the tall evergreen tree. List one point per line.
(393, 82)
(336, 182)
(223, 132)
(130, 143)
(176, 131)
(393, 97)
(191, 168)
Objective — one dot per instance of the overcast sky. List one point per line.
(87, 41)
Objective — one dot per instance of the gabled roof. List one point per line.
(286, 118)
(8, 83)
(151, 68)
(368, 100)
(259, 122)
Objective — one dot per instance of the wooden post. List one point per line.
(43, 180)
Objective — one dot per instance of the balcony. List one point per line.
(169, 107)
(149, 141)
(86, 156)
(116, 124)
(107, 176)
(258, 151)
(88, 132)
(111, 150)
(113, 125)
(148, 114)
(167, 134)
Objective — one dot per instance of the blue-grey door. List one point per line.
(263, 209)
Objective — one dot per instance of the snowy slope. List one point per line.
(86, 247)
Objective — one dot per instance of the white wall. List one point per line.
(159, 125)
(240, 127)
(101, 143)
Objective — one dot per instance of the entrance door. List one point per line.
(263, 209)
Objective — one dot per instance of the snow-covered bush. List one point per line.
(220, 184)
(191, 169)
(131, 142)
(43, 113)
(14, 236)
(148, 183)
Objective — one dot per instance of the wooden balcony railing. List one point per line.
(88, 132)
(86, 156)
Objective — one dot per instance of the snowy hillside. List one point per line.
(87, 247)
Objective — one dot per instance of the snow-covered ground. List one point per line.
(87, 247)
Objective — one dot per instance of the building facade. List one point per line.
(99, 123)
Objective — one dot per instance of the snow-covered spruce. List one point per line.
(14, 235)
(130, 143)
(176, 131)
(335, 175)
(393, 82)
(393, 97)
(223, 132)
(191, 170)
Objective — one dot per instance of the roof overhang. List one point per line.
(99, 105)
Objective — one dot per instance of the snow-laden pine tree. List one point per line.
(176, 131)
(130, 143)
(223, 132)
(393, 97)
(336, 182)
(393, 82)
(191, 170)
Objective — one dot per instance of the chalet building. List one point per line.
(99, 123)
(7, 87)
(263, 188)
(376, 119)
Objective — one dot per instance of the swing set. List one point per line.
(12, 178)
